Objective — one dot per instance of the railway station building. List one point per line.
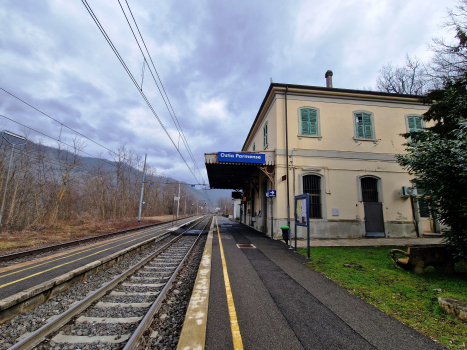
(338, 145)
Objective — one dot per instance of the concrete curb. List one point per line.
(30, 298)
(193, 335)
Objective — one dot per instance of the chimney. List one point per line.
(328, 77)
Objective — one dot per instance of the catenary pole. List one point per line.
(142, 189)
(178, 200)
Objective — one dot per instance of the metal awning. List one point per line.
(232, 175)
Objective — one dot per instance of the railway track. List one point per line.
(13, 257)
(116, 315)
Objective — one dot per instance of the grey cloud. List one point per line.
(53, 56)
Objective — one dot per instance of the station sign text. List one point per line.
(241, 157)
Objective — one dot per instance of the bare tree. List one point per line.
(450, 59)
(410, 79)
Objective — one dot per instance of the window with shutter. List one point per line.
(254, 147)
(265, 135)
(414, 123)
(309, 122)
(363, 125)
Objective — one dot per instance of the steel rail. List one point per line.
(135, 339)
(40, 334)
(78, 241)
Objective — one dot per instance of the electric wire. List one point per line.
(62, 124)
(64, 143)
(114, 49)
(56, 162)
(52, 138)
(171, 109)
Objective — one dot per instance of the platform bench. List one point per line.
(418, 258)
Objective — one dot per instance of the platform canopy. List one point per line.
(231, 170)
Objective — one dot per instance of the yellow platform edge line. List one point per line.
(236, 336)
(193, 335)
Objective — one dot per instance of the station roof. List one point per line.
(232, 175)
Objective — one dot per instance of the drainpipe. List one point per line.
(287, 156)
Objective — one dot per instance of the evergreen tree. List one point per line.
(438, 158)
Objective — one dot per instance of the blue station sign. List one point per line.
(236, 157)
(270, 193)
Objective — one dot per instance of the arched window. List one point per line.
(309, 121)
(369, 189)
(312, 185)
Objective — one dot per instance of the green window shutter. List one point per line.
(359, 125)
(368, 127)
(418, 124)
(411, 123)
(305, 122)
(313, 122)
(363, 126)
(415, 123)
(309, 122)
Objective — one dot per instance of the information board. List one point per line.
(301, 212)
(302, 215)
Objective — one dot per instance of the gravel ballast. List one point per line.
(168, 322)
(34, 319)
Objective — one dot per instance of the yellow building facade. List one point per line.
(339, 146)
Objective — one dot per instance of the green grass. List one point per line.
(404, 295)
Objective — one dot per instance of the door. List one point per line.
(430, 225)
(374, 221)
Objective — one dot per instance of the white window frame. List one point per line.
(373, 134)
(318, 121)
(265, 135)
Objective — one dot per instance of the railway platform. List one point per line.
(262, 296)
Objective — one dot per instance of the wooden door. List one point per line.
(374, 221)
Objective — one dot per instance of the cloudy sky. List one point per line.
(215, 59)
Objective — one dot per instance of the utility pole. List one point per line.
(178, 200)
(197, 207)
(184, 212)
(142, 189)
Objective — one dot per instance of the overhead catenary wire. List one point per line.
(62, 142)
(114, 49)
(164, 95)
(52, 138)
(56, 162)
(62, 124)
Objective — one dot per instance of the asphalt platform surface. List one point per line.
(17, 278)
(282, 304)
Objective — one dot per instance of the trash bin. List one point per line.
(285, 233)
